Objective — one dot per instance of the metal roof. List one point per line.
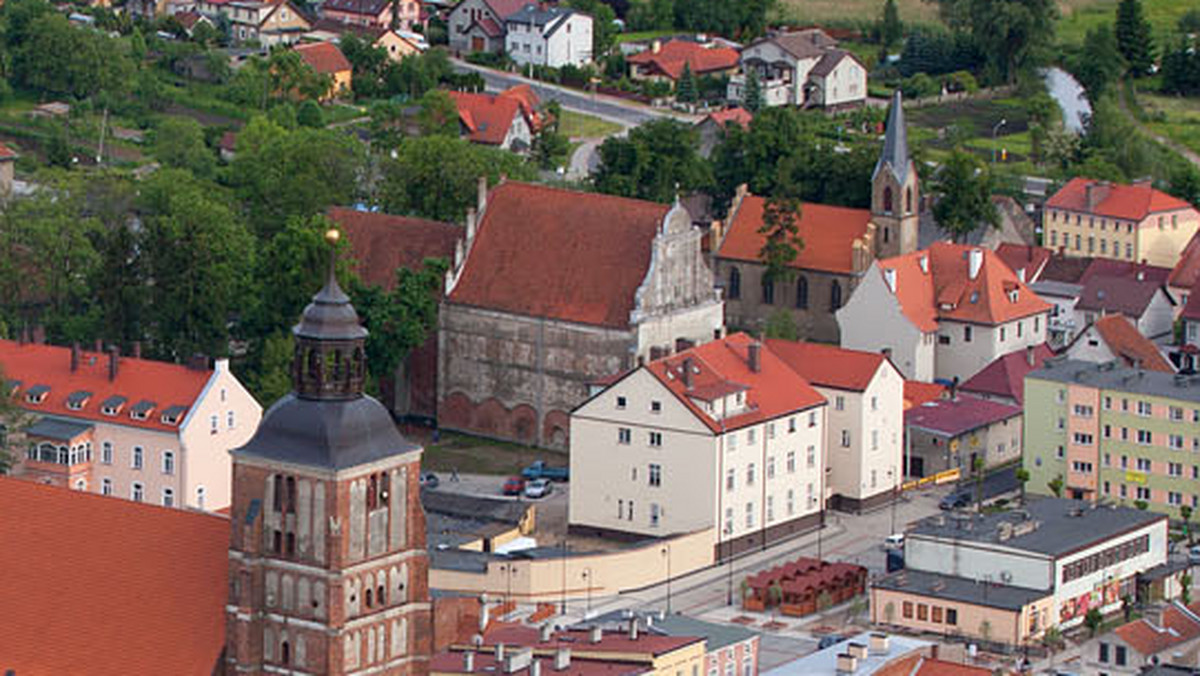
(1117, 377)
(57, 429)
(952, 588)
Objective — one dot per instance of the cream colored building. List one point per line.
(723, 435)
(1125, 222)
(865, 431)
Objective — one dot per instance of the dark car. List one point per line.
(429, 480)
(514, 485)
(830, 641)
(955, 501)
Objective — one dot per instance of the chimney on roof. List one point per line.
(562, 659)
(879, 643)
(500, 652)
(633, 628)
(846, 664)
(481, 195)
(952, 390)
(1090, 196)
(597, 634)
(686, 376)
(858, 650)
(886, 352)
(483, 612)
(889, 276)
(113, 359)
(137, 349)
(1141, 275)
(974, 262)
(535, 667)
(472, 221)
(655, 46)
(75, 356)
(544, 632)
(469, 661)
(1030, 356)
(754, 356)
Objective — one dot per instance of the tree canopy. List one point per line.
(964, 186)
(655, 162)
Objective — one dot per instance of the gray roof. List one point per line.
(1052, 526)
(1049, 287)
(804, 44)
(718, 635)
(1114, 294)
(174, 412)
(77, 398)
(829, 61)
(961, 589)
(895, 143)
(459, 559)
(37, 390)
(57, 429)
(824, 662)
(328, 434)
(113, 401)
(536, 16)
(1120, 378)
(330, 316)
(466, 506)
(143, 407)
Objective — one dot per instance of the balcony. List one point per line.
(776, 91)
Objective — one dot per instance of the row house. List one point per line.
(124, 426)
(724, 436)
(959, 431)
(1115, 337)
(801, 68)
(1114, 432)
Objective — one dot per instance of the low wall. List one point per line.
(600, 574)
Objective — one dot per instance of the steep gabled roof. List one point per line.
(1114, 200)
(381, 243)
(952, 417)
(1108, 267)
(1187, 270)
(671, 57)
(1005, 377)
(1177, 626)
(894, 157)
(737, 115)
(1109, 294)
(323, 57)
(560, 254)
(505, 8)
(488, 117)
(1031, 259)
(828, 233)
(829, 61)
(808, 43)
(1125, 341)
(370, 8)
(828, 365)
(113, 586)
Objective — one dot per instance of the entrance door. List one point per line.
(476, 44)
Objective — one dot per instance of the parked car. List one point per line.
(894, 541)
(1194, 555)
(830, 641)
(955, 501)
(538, 488)
(513, 485)
(429, 480)
(540, 470)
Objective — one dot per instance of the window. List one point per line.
(1107, 431)
(1060, 453)
(1145, 409)
(1144, 437)
(1083, 439)
(213, 424)
(875, 403)
(750, 474)
(839, 403)
(136, 461)
(845, 438)
(770, 467)
(768, 291)
(791, 425)
(656, 439)
(730, 479)
(802, 293)
(1083, 411)
(1062, 396)
(770, 509)
(812, 419)
(1081, 467)
(791, 462)
(1143, 493)
(1174, 498)
(1176, 442)
(106, 453)
(907, 610)
(624, 435)
(654, 514)
(732, 440)
(168, 462)
(200, 494)
(835, 295)
(168, 497)
(750, 435)
(728, 520)
(735, 284)
(1062, 423)
(655, 474)
(952, 616)
(1120, 656)
(1176, 413)
(922, 612)
(791, 502)
(749, 515)
(229, 420)
(621, 402)
(106, 487)
(1108, 403)
(138, 492)
(812, 457)
(936, 614)
(656, 407)
(968, 333)
(1144, 464)
(875, 440)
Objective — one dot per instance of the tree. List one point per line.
(1022, 476)
(1185, 514)
(309, 115)
(399, 319)
(551, 149)
(290, 266)
(439, 114)
(1133, 37)
(1185, 583)
(1013, 35)
(964, 204)
(686, 90)
(782, 325)
(179, 142)
(1056, 486)
(118, 281)
(781, 230)
(655, 162)
(57, 58)
(891, 30)
(1092, 620)
(752, 97)
(1141, 504)
(1098, 64)
(1189, 22)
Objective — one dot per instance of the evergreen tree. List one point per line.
(752, 98)
(891, 30)
(1099, 64)
(1133, 37)
(686, 90)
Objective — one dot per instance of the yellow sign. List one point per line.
(954, 445)
(1135, 477)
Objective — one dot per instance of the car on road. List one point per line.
(956, 500)
(513, 485)
(540, 470)
(894, 541)
(1194, 555)
(830, 641)
(429, 480)
(538, 488)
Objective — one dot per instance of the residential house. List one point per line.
(1133, 222)
(374, 13)
(399, 44)
(801, 68)
(382, 244)
(666, 62)
(553, 36)
(522, 334)
(1007, 577)
(107, 558)
(190, 19)
(712, 128)
(1004, 379)
(727, 646)
(1144, 302)
(508, 120)
(478, 25)
(1113, 432)
(876, 654)
(865, 431)
(1165, 635)
(945, 313)
(917, 393)
(956, 432)
(129, 427)
(1115, 337)
(1186, 273)
(152, 9)
(267, 23)
(326, 59)
(1026, 260)
(1190, 318)
(1062, 297)
(722, 436)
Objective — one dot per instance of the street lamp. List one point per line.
(587, 578)
(995, 130)
(666, 551)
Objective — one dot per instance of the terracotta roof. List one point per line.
(829, 365)
(1150, 639)
(7, 153)
(452, 663)
(601, 251)
(952, 417)
(381, 243)
(737, 115)
(616, 643)
(137, 380)
(1114, 200)
(1107, 267)
(1125, 341)
(1066, 269)
(487, 117)
(490, 27)
(505, 8)
(1187, 270)
(324, 57)
(671, 57)
(1018, 257)
(917, 393)
(1005, 377)
(773, 391)
(828, 234)
(188, 19)
(363, 7)
(109, 586)
(1129, 297)
(947, 291)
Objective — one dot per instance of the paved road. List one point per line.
(605, 107)
(995, 484)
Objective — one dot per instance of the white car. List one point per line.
(538, 488)
(894, 541)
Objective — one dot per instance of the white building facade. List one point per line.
(553, 37)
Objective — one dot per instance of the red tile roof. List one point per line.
(917, 393)
(600, 245)
(952, 417)
(487, 117)
(109, 587)
(1187, 270)
(1125, 341)
(829, 365)
(381, 243)
(506, 8)
(1107, 267)
(947, 291)
(671, 57)
(616, 643)
(828, 234)
(1005, 377)
(1150, 639)
(773, 391)
(7, 152)
(1031, 259)
(163, 383)
(324, 57)
(736, 115)
(1114, 200)
(452, 663)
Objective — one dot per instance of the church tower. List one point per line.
(328, 572)
(895, 198)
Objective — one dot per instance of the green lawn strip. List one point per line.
(1080, 16)
(638, 36)
(578, 125)
(476, 455)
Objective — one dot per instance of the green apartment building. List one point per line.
(1112, 432)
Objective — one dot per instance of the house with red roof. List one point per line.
(120, 425)
(1165, 635)
(943, 313)
(554, 289)
(508, 120)
(1141, 300)
(1115, 337)
(955, 432)
(326, 59)
(1004, 379)
(1130, 222)
(713, 127)
(864, 436)
(801, 68)
(1027, 260)
(479, 25)
(722, 436)
(375, 13)
(666, 62)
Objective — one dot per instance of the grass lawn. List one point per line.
(972, 120)
(842, 11)
(475, 455)
(578, 125)
(638, 36)
(342, 112)
(1078, 16)
(1182, 117)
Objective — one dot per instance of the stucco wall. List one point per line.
(872, 321)
(962, 359)
(847, 83)
(205, 457)
(1004, 626)
(817, 322)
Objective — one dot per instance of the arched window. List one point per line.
(835, 295)
(768, 291)
(802, 293)
(735, 284)
(285, 653)
(887, 200)
(887, 234)
(908, 200)
(380, 595)
(367, 597)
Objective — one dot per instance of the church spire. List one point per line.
(895, 143)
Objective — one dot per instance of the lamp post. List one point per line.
(666, 551)
(587, 578)
(995, 130)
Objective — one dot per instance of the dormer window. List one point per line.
(142, 409)
(11, 386)
(974, 297)
(1013, 295)
(37, 394)
(113, 405)
(172, 415)
(77, 400)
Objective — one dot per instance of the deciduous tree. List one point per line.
(964, 203)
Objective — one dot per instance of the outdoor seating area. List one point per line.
(803, 587)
